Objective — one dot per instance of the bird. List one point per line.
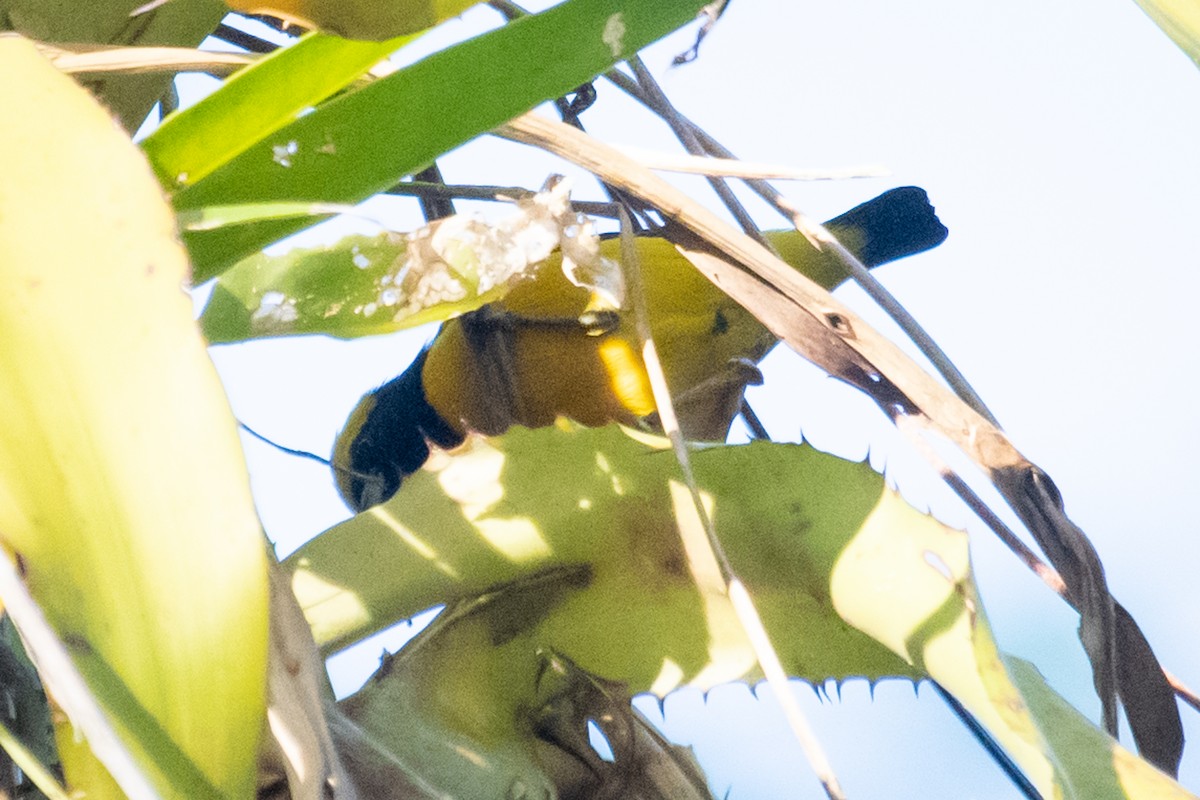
(543, 351)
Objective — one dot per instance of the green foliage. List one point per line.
(344, 290)
(364, 141)
(112, 506)
(256, 102)
(849, 579)
(360, 19)
(365, 285)
(570, 581)
(489, 517)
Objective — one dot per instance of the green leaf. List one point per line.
(344, 290)
(849, 580)
(484, 712)
(488, 517)
(364, 141)
(136, 534)
(213, 217)
(588, 565)
(303, 291)
(255, 102)
(910, 587)
(367, 285)
(1095, 765)
(460, 700)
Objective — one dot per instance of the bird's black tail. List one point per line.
(897, 223)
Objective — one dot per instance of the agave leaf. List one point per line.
(136, 534)
(910, 587)
(849, 579)
(484, 712)
(1093, 764)
(459, 729)
(487, 516)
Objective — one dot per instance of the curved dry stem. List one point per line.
(698, 143)
(706, 557)
(823, 330)
(90, 59)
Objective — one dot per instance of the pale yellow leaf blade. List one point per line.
(122, 486)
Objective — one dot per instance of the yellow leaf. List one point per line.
(1179, 19)
(122, 486)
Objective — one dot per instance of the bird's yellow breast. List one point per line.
(566, 369)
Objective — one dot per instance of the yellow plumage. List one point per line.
(536, 355)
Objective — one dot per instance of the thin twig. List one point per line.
(457, 191)
(713, 167)
(658, 103)
(68, 687)
(247, 41)
(631, 262)
(289, 450)
(699, 537)
(985, 740)
(103, 59)
(830, 334)
(820, 238)
(499, 194)
(757, 429)
(1182, 690)
(34, 769)
(652, 94)
(433, 208)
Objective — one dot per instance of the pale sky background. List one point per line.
(1059, 143)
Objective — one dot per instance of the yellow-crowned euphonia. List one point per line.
(539, 353)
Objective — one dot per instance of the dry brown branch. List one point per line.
(821, 329)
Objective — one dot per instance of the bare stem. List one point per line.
(34, 769)
(975, 435)
(706, 557)
(67, 686)
(698, 141)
